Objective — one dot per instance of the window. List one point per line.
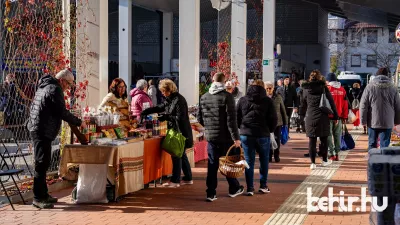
(356, 35)
(356, 61)
(371, 61)
(372, 36)
(392, 37)
(393, 60)
(339, 36)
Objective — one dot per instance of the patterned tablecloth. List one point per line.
(125, 163)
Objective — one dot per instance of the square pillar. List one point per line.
(167, 29)
(189, 49)
(238, 39)
(269, 40)
(125, 41)
(103, 52)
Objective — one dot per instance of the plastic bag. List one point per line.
(351, 117)
(284, 135)
(355, 104)
(273, 141)
(294, 119)
(92, 181)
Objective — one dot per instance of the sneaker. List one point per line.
(332, 158)
(211, 198)
(51, 199)
(171, 185)
(264, 190)
(250, 192)
(45, 204)
(325, 164)
(277, 159)
(238, 192)
(186, 182)
(313, 166)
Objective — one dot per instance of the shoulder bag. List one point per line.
(324, 104)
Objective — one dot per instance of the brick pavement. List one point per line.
(186, 205)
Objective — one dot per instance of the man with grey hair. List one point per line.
(140, 98)
(47, 112)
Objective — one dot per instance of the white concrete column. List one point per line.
(189, 49)
(168, 18)
(66, 10)
(238, 39)
(125, 41)
(268, 40)
(103, 52)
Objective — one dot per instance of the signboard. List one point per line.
(204, 66)
(265, 62)
(174, 65)
(398, 33)
(22, 65)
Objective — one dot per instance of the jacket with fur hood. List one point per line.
(380, 104)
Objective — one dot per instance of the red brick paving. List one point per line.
(186, 205)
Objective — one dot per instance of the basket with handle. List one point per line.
(228, 166)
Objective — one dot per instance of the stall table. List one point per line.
(156, 163)
(125, 163)
(200, 151)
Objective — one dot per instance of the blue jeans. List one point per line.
(250, 145)
(215, 151)
(383, 134)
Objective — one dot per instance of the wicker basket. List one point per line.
(227, 165)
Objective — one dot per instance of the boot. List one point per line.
(365, 130)
(276, 156)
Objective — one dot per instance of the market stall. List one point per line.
(125, 163)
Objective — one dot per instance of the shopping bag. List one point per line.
(92, 181)
(346, 140)
(355, 104)
(294, 119)
(284, 135)
(351, 118)
(273, 141)
(174, 143)
(324, 104)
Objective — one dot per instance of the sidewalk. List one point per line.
(284, 205)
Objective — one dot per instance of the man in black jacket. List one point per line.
(47, 112)
(289, 97)
(218, 116)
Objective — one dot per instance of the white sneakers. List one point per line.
(171, 185)
(323, 164)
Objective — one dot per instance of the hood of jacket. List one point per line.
(255, 93)
(382, 81)
(48, 80)
(335, 84)
(216, 88)
(137, 91)
(314, 86)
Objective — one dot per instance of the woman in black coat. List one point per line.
(317, 123)
(175, 110)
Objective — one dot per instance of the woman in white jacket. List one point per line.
(152, 92)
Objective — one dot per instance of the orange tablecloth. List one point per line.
(156, 163)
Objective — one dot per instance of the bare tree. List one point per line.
(387, 54)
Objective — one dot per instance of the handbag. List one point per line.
(346, 140)
(174, 142)
(355, 104)
(284, 135)
(324, 104)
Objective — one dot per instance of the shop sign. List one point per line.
(398, 33)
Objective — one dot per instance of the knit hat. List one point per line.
(331, 77)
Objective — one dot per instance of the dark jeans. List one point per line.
(250, 144)
(277, 134)
(215, 151)
(383, 134)
(179, 164)
(312, 148)
(42, 162)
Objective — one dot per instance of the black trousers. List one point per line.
(277, 134)
(312, 148)
(42, 162)
(215, 151)
(289, 112)
(179, 164)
